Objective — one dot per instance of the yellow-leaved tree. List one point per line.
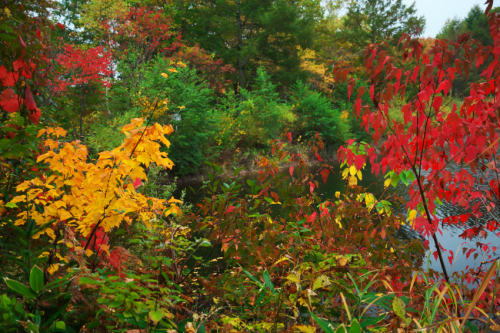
(81, 200)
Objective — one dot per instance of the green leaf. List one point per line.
(11, 205)
(267, 280)
(20, 288)
(155, 316)
(403, 178)
(93, 324)
(32, 328)
(36, 279)
(86, 280)
(321, 282)
(114, 304)
(399, 307)
(372, 321)
(250, 183)
(251, 277)
(60, 325)
(473, 328)
(327, 327)
(355, 327)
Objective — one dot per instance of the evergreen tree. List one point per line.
(373, 21)
(249, 33)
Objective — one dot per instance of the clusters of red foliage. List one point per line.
(210, 69)
(83, 66)
(432, 136)
(144, 31)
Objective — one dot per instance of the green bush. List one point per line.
(190, 109)
(315, 113)
(261, 115)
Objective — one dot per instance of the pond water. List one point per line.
(449, 239)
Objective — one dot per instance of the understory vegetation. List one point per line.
(105, 103)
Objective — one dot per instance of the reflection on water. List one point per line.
(449, 239)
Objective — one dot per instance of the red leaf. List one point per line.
(311, 187)
(383, 233)
(34, 116)
(453, 119)
(28, 98)
(318, 157)
(324, 174)
(359, 161)
(60, 26)
(229, 209)
(435, 254)
(6, 95)
(471, 152)
(38, 33)
(12, 105)
(289, 135)
(23, 44)
(407, 112)
(8, 79)
(137, 183)
(372, 91)
(291, 171)
(436, 104)
(450, 258)
(311, 217)
(415, 73)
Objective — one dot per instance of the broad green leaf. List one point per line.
(155, 316)
(355, 327)
(321, 282)
(20, 288)
(115, 304)
(60, 325)
(403, 178)
(86, 280)
(328, 328)
(36, 279)
(372, 321)
(399, 307)
(473, 328)
(31, 327)
(267, 280)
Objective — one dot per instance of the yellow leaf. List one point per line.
(52, 268)
(105, 248)
(164, 75)
(305, 328)
(172, 70)
(342, 261)
(337, 194)
(294, 277)
(387, 183)
(352, 170)
(172, 199)
(411, 216)
(89, 252)
(50, 233)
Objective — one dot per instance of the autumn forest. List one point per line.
(248, 166)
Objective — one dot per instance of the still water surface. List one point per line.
(449, 239)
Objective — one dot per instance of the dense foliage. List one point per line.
(104, 102)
